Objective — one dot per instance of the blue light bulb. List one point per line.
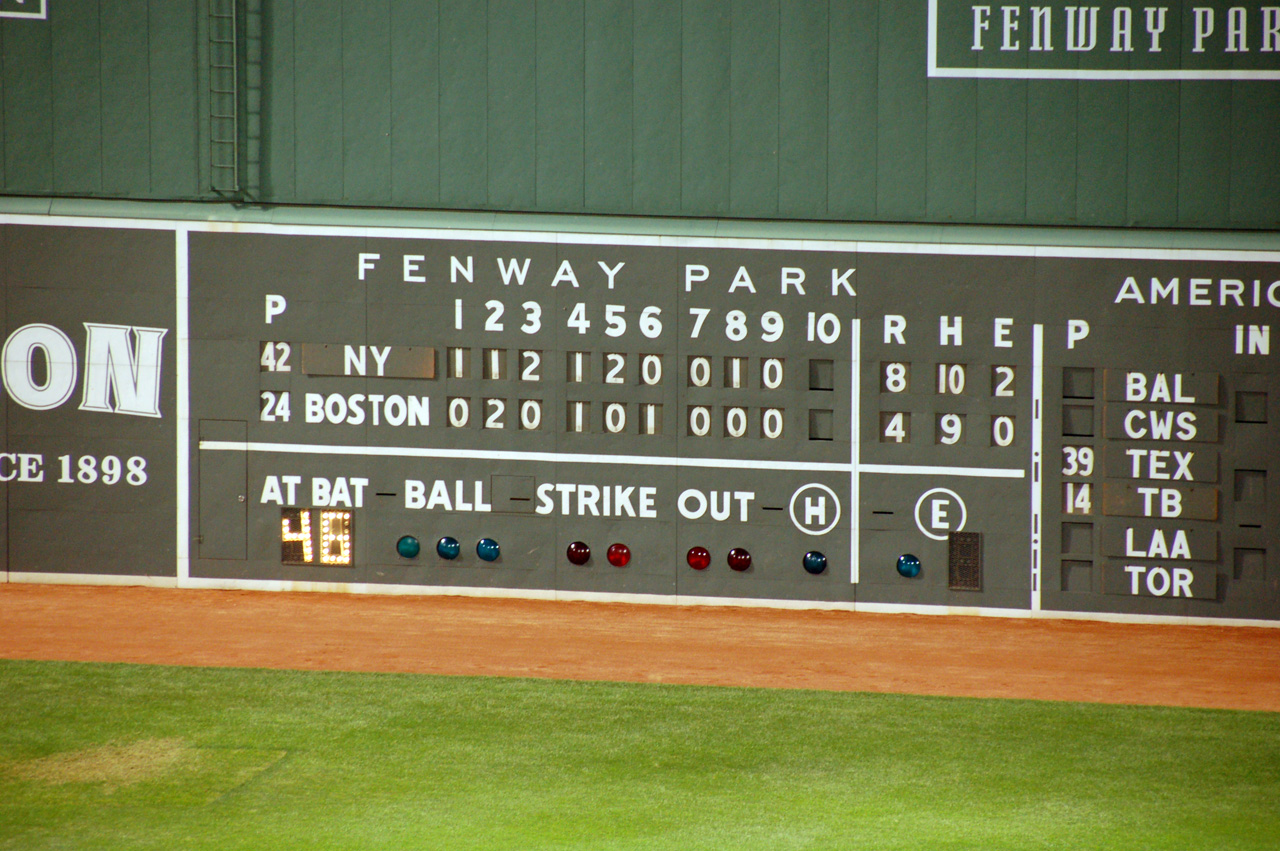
(408, 547)
(487, 549)
(815, 562)
(909, 565)
(448, 547)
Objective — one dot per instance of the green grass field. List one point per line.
(133, 757)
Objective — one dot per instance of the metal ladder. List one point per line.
(224, 98)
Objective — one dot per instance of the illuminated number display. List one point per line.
(316, 536)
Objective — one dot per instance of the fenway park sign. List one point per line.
(1195, 40)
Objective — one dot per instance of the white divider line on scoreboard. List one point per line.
(1037, 462)
(513, 455)
(855, 418)
(583, 458)
(182, 425)
(942, 470)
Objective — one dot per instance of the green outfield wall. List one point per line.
(920, 111)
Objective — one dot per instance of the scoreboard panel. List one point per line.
(886, 425)
(535, 395)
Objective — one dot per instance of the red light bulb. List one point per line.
(739, 559)
(578, 553)
(699, 558)
(619, 555)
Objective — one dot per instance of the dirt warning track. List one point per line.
(1206, 666)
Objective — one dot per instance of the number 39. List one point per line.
(1077, 460)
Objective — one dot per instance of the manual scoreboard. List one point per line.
(890, 424)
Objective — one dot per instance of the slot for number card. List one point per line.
(735, 422)
(274, 357)
(735, 373)
(495, 413)
(1077, 498)
(950, 429)
(576, 366)
(615, 417)
(459, 412)
(699, 420)
(699, 371)
(576, 416)
(615, 368)
(530, 414)
(651, 369)
(1002, 381)
(895, 427)
(771, 422)
(530, 365)
(1002, 430)
(495, 364)
(894, 376)
(771, 373)
(650, 419)
(459, 362)
(951, 378)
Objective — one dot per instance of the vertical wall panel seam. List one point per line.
(1075, 171)
(826, 147)
(582, 107)
(391, 105)
(631, 183)
(777, 127)
(631, 118)
(875, 171)
(488, 106)
(826, 171)
(151, 150)
(488, 200)
(925, 151)
(342, 100)
(102, 154)
(1174, 216)
(536, 111)
(197, 190)
(1127, 197)
(439, 134)
(975, 105)
(293, 88)
(53, 112)
(1230, 153)
(1177, 168)
(728, 206)
(1026, 152)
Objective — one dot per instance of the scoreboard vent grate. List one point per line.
(964, 561)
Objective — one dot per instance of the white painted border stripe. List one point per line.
(602, 597)
(585, 458)
(1037, 462)
(39, 13)
(937, 470)
(23, 577)
(941, 247)
(183, 418)
(931, 39)
(855, 446)
(1099, 74)
(514, 455)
